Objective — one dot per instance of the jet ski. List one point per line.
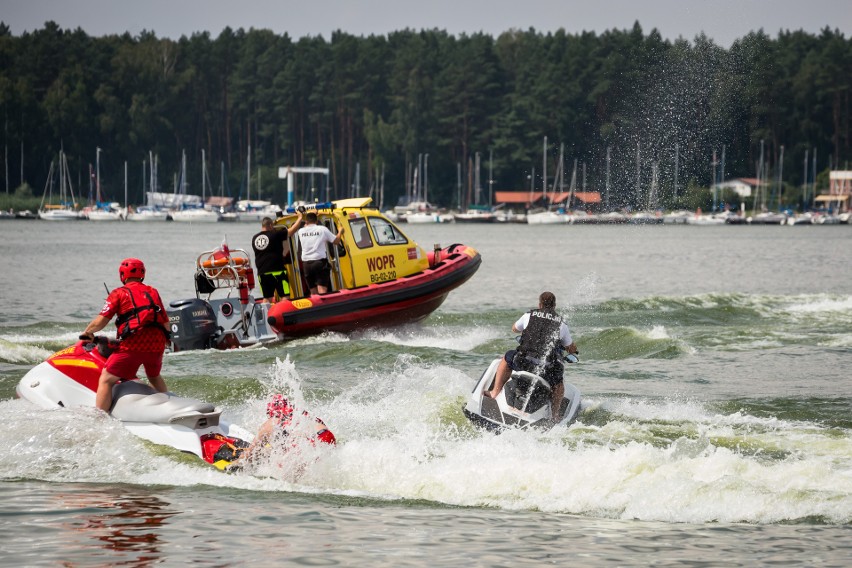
(523, 402)
(69, 378)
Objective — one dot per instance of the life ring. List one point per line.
(224, 261)
(224, 267)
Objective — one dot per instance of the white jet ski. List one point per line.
(524, 401)
(69, 378)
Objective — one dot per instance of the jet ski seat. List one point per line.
(526, 388)
(138, 402)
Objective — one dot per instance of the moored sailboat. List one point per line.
(64, 210)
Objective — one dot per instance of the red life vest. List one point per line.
(146, 311)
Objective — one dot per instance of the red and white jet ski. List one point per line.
(69, 378)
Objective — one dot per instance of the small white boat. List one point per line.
(476, 216)
(59, 214)
(548, 218)
(422, 217)
(767, 218)
(701, 219)
(680, 217)
(65, 210)
(147, 213)
(195, 215)
(111, 212)
(510, 217)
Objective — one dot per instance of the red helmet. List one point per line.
(131, 268)
(279, 407)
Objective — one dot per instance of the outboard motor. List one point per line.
(193, 324)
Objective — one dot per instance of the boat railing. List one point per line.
(224, 269)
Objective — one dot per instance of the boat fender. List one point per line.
(244, 293)
(434, 257)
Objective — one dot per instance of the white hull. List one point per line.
(425, 218)
(475, 216)
(195, 216)
(147, 216)
(104, 216)
(548, 218)
(59, 215)
(705, 220)
(514, 408)
(161, 418)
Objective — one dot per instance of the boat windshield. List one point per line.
(386, 233)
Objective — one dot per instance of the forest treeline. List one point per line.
(368, 107)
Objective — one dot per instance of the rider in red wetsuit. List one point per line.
(142, 324)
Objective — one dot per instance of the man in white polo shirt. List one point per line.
(313, 239)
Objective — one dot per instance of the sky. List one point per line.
(722, 20)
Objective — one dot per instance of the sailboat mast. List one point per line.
(477, 179)
(490, 178)
(203, 175)
(780, 176)
(609, 159)
(425, 177)
(813, 186)
(98, 175)
(676, 164)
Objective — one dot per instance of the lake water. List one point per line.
(716, 429)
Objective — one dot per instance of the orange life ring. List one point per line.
(221, 267)
(224, 261)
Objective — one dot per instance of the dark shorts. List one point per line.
(125, 364)
(272, 282)
(317, 273)
(553, 373)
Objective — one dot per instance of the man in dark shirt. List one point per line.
(271, 258)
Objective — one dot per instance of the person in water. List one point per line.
(543, 336)
(271, 256)
(276, 429)
(143, 331)
(313, 239)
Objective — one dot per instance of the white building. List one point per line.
(740, 186)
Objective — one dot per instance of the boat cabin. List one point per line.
(372, 249)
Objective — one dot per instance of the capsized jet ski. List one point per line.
(69, 378)
(524, 401)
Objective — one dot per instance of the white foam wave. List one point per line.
(465, 339)
(401, 436)
(14, 352)
(820, 304)
(658, 332)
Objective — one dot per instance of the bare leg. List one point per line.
(500, 377)
(158, 383)
(556, 403)
(322, 289)
(103, 398)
